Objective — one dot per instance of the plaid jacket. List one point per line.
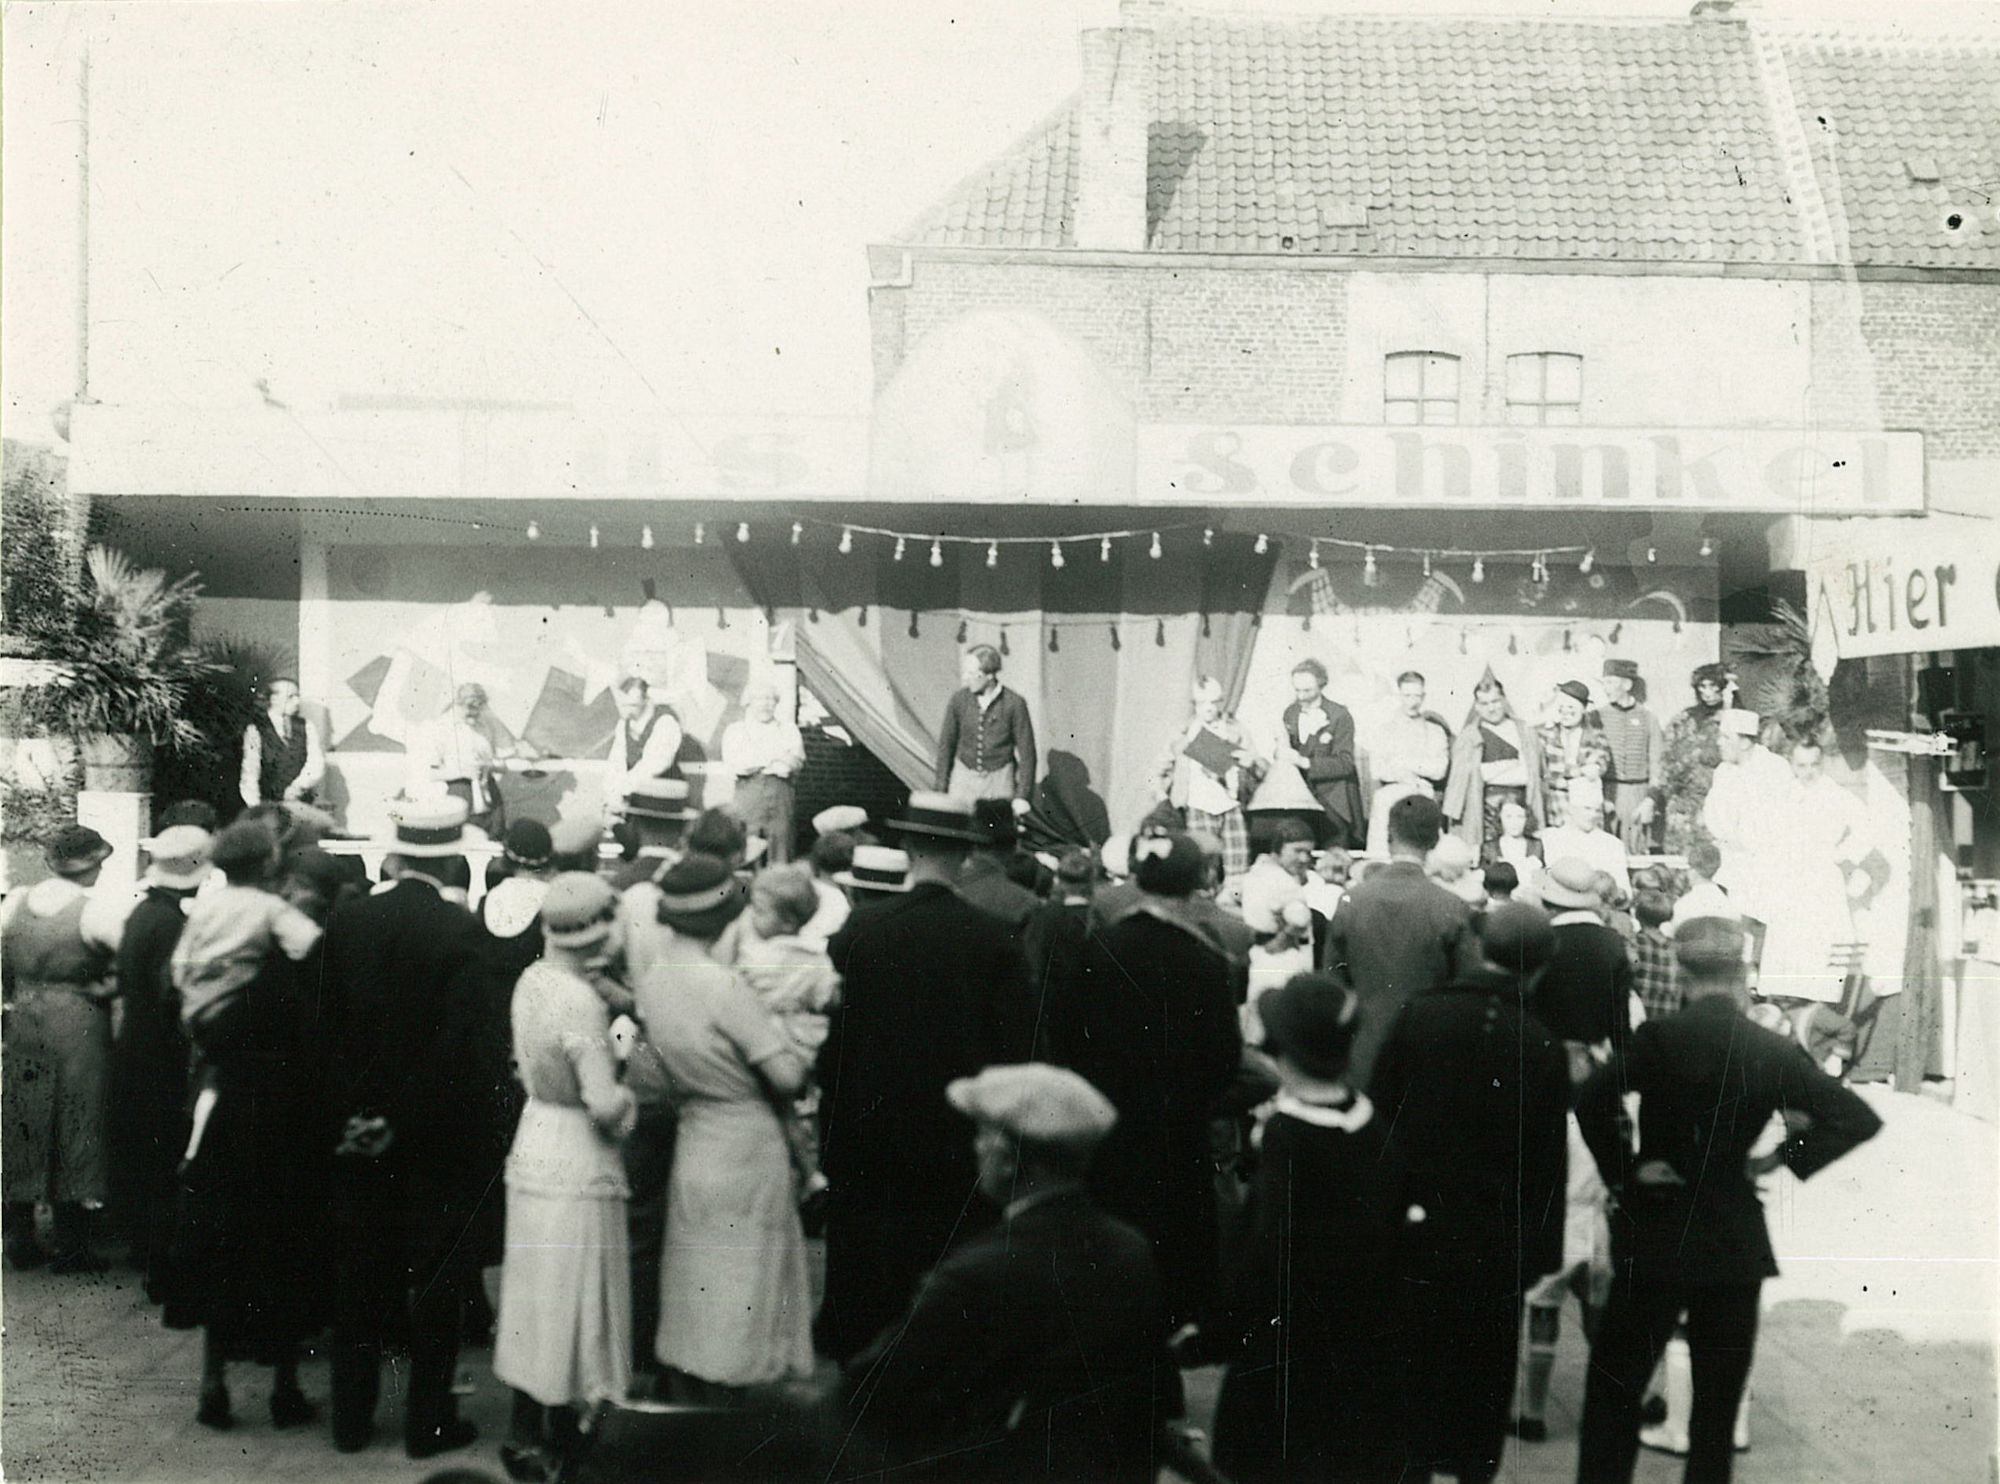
(1656, 977)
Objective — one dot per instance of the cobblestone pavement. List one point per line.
(1875, 1362)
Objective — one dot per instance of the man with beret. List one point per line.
(933, 989)
(1475, 1092)
(1638, 756)
(1032, 1352)
(1688, 1233)
(1149, 1017)
(58, 939)
(399, 965)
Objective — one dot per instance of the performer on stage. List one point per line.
(1211, 799)
(765, 752)
(1740, 813)
(986, 747)
(1410, 754)
(1638, 757)
(1496, 758)
(1319, 741)
(1691, 756)
(282, 760)
(643, 748)
(1568, 742)
(463, 750)
(1819, 837)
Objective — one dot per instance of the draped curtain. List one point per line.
(1103, 651)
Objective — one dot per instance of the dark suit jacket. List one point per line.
(983, 881)
(1151, 1022)
(1475, 1092)
(1395, 935)
(1585, 993)
(1330, 770)
(397, 965)
(1029, 1354)
(1708, 1081)
(988, 739)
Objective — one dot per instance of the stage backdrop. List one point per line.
(547, 631)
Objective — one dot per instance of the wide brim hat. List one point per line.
(664, 798)
(1576, 690)
(429, 828)
(876, 868)
(527, 844)
(1311, 1019)
(1570, 883)
(577, 910)
(941, 817)
(839, 817)
(76, 850)
(179, 857)
(699, 896)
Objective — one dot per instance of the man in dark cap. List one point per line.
(1033, 1352)
(1687, 1230)
(1150, 1020)
(984, 880)
(1475, 1092)
(933, 989)
(58, 939)
(1638, 756)
(1398, 933)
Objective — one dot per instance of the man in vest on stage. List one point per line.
(644, 747)
(282, 760)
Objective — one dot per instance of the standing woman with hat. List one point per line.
(58, 940)
(149, 1062)
(735, 1292)
(564, 1340)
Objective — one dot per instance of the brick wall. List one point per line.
(1936, 349)
(836, 772)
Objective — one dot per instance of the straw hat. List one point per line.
(876, 868)
(179, 857)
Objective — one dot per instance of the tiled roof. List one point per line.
(1905, 138)
(1413, 137)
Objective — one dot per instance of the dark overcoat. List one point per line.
(1331, 771)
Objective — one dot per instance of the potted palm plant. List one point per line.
(123, 669)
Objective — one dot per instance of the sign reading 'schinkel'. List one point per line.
(1781, 471)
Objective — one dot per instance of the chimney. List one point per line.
(1114, 118)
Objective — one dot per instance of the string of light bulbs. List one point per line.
(932, 544)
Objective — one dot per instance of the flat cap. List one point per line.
(1036, 1102)
(839, 817)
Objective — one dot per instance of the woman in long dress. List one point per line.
(735, 1293)
(564, 1340)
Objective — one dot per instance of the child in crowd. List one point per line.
(1703, 898)
(230, 930)
(1616, 900)
(1306, 1316)
(1500, 881)
(1655, 971)
(795, 979)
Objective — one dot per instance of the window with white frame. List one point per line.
(1420, 386)
(1545, 387)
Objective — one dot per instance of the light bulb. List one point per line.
(1652, 553)
(992, 553)
(700, 533)
(1589, 561)
(1370, 574)
(1312, 557)
(595, 537)
(1263, 543)
(798, 530)
(645, 538)
(1154, 551)
(1427, 564)
(1208, 536)
(899, 548)
(1479, 569)
(534, 530)
(743, 530)
(937, 554)
(846, 540)
(1055, 554)
(1104, 550)
(1707, 547)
